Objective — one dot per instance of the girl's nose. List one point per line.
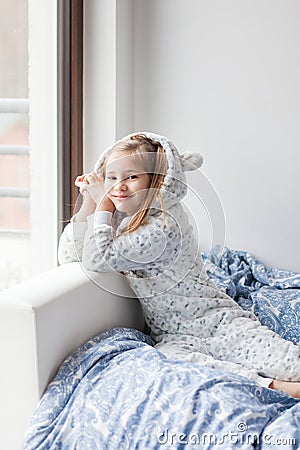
(121, 186)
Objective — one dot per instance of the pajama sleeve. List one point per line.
(148, 246)
(71, 242)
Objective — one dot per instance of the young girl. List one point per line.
(132, 221)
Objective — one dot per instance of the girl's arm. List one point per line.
(71, 241)
(152, 245)
(87, 208)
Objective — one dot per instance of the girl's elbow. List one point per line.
(95, 264)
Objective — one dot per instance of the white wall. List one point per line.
(222, 78)
(108, 74)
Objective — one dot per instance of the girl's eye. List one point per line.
(113, 178)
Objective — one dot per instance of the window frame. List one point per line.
(70, 105)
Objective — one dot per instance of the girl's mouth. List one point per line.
(120, 197)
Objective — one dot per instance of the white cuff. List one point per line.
(264, 382)
(99, 218)
(90, 221)
(102, 217)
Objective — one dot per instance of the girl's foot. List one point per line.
(290, 387)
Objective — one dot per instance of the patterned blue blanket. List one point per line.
(273, 295)
(118, 392)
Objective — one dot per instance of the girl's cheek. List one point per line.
(107, 186)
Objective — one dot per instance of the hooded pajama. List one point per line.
(189, 318)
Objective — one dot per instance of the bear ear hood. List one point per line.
(174, 187)
(191, 161)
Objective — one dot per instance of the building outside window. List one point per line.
(15, 242)
(29, 148)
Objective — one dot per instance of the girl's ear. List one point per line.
(191, 161)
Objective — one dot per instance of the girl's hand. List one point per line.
(92, 184)
(106, 205)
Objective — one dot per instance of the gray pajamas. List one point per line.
(189, 318)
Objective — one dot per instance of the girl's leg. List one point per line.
(245, 341)
(183, 350)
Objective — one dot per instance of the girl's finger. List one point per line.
(79, 180)
(79, 184)
(94, 177)
(98, 178)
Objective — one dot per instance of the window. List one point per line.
(31, 171)
(14, 144)
(41, 47)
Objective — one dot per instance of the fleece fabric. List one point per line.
(189, 317)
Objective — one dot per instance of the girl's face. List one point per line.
(125, 182)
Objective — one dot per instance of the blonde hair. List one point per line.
(143, 148)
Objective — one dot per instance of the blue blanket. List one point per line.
(118, 392)
(273, 295)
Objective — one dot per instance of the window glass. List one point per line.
(14, 49)
(14, 144)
